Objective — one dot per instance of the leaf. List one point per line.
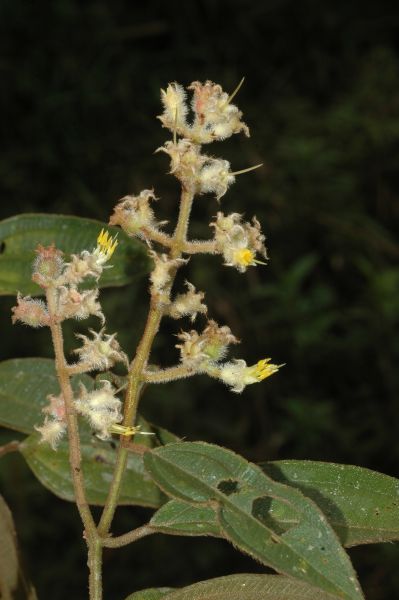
(181, 518)
(25, 384)
(245, 587)
(13, 583)
(307, 548)
(20, 235)
(361, 505)
(8, 553)
(150, 594)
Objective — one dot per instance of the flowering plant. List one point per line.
(294, 516)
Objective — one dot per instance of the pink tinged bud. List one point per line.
(47, 266)
(55, 408)
(31, 312)
(79, 305)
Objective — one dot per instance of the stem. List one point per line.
(128, 538)
(170, 374)
(8, 448)
(94, 563)
(75, 456)
(140, 361)
(200, 247)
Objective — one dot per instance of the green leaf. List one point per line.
(8, 553)
(25, 384)
(361, 505)
(306, 548)
(244, 587)
(150, 594)
(20, 235)
(181, 518)
(13, 582)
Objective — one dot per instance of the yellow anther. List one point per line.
(106, 244)
(264, 369)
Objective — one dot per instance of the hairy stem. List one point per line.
(75, 456)
(140, 362)
(170, 374)
(129, 537)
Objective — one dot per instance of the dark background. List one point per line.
(78, 99)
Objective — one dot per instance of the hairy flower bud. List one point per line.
(100, 407)
(215, 117)
(51, 431)
(215, 177)
(186, 161)
(101, 352)
(161, 276)
(175, 108)
(188, 304)
(74, 304)
(47, 266)
(31, 312)
(198, 350)
(134, 214)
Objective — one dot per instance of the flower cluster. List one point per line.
(215, 118)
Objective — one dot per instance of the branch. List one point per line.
(128, 538)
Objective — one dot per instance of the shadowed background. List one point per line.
(78, 100)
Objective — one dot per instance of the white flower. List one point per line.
(237, 374)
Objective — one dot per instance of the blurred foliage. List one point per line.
(79, 96)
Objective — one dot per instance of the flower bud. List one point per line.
(189, 304)
(215, 177)
(101, 352)
(198, 350)
(175, 108)
(100, 407)
(47, 266)
(186, 161)
(51, 431)
(215, 117)
(134, 214)
(31, 312)
(161, 276)
(74, 304)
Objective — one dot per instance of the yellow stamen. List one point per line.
(128, 431)
(264, 368)
(106, 244)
